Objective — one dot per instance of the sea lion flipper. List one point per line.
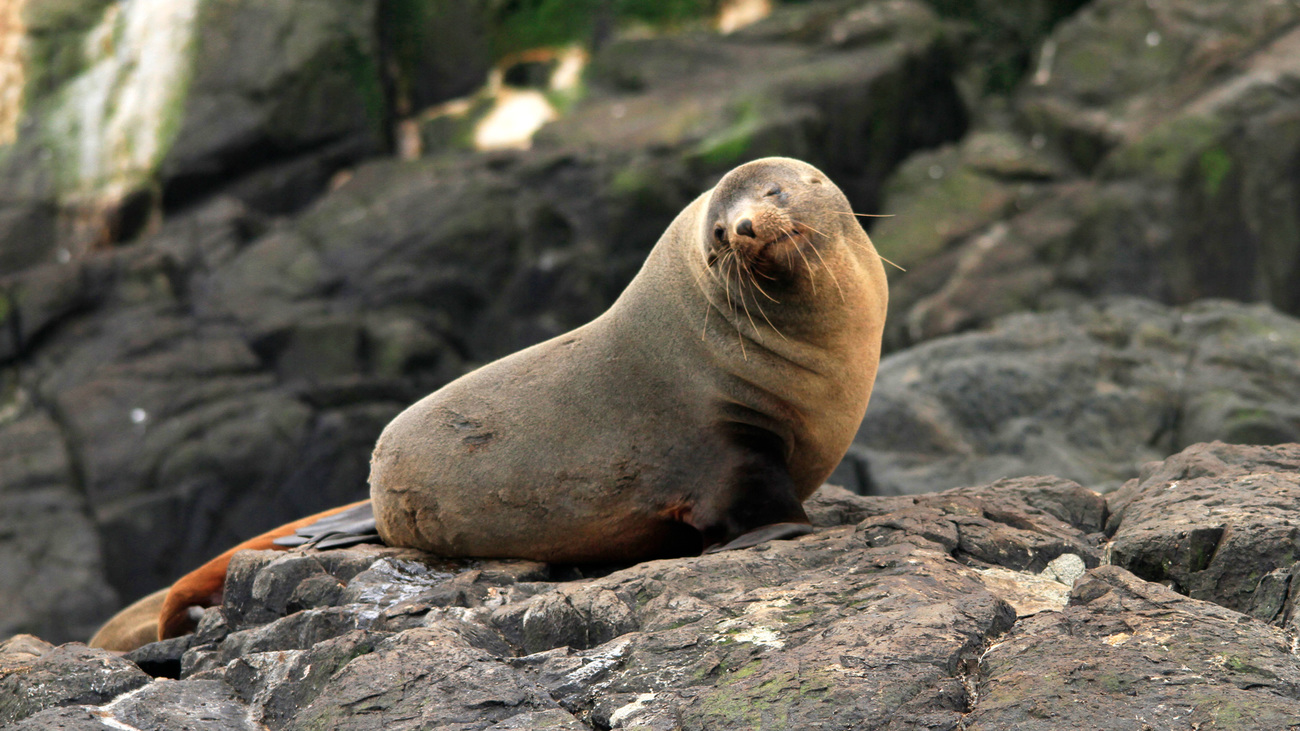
(337, 530)
(773, 532)
(758, 503)
(204, 586)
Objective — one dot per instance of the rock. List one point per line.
(1139, 656)
(1089, 393)
(431, 678)
(928, 611)
(1148, 147)
(53, 579)
(1022, 524)
(1209, 523)
(66, 675)
(807, 83)
(200, 705)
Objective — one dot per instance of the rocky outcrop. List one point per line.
(1089, 393)
(984, 607)
(1148, 153)
(1212, 522)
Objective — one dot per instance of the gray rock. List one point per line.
(929, 611)
(52, 575)
(1140, 657)
(230, 371)
(67, 675)
(1088, 393)
(431, 677)
(1216, 522)
(195, 705)
(1148, 151)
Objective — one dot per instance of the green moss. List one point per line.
(407, 23)
(798, 615)
(364, 72)
(631, 181)
(524, 24)
(1237, 664)
(1166, 150)
(727, 147)
(1116, 683)
(742, 672)
(765, 705)
(55, 30)
(565, 99)
(1215, 164)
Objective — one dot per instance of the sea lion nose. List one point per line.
(745, 228)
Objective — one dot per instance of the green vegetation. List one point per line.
(53, 54)
(524, 24)
(1215, 164)
(728, 146)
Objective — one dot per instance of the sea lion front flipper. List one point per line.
(759, 502)
(773, 532)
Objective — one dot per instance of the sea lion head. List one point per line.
(773, 219)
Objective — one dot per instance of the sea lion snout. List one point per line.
(755, 230)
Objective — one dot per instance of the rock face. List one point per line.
(1089, 393)
(212, 300)
(944, 611)
(1147, 153)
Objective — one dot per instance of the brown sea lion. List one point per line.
(715, 395)
(133, 627)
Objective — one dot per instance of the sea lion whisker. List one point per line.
(810, 228)
(733, 259)
(760, 289)
(899, 268)
(748, 316)
(812, 278)
(866, 215)
(770, 324)
(877, 253)
(830, 271)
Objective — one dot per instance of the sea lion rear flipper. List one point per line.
(203, 586)
(347, 528)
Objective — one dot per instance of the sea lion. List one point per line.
(133, 627)
(697, 413)
(714, 396)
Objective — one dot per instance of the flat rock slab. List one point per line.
(1130, 655)
(1218, 522)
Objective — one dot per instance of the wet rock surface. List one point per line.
(981, 607)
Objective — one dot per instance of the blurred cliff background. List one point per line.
(238, 236)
